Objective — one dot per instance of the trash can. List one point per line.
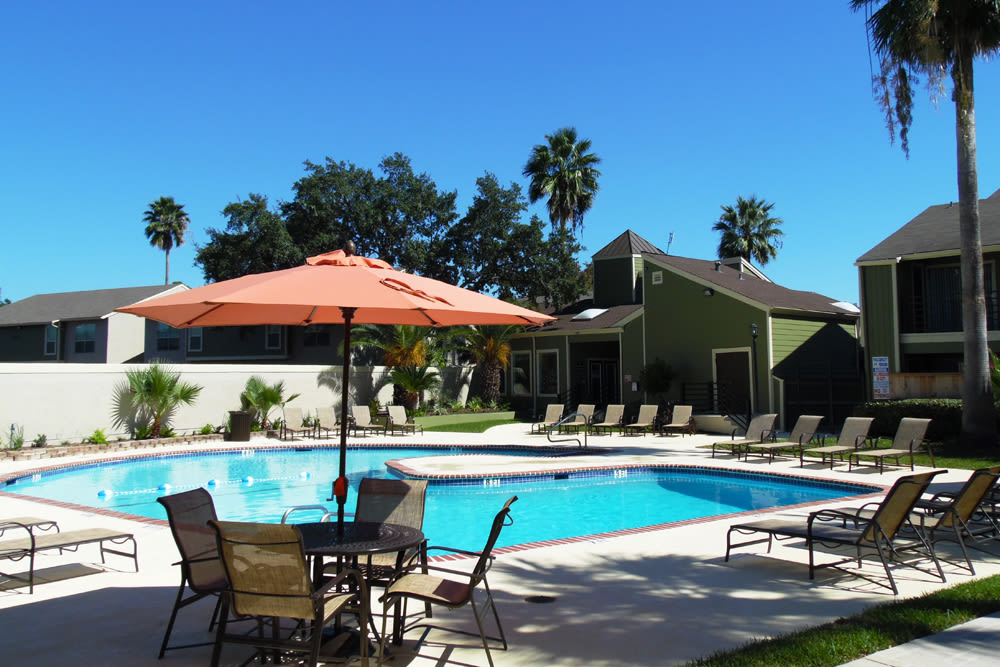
(239, 425)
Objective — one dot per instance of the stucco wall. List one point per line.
(69, 401)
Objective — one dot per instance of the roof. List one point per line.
(629, 243)
(753, 288)
(87, 305)
(936, 230)
(612, 317)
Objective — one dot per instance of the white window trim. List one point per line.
(268, 328)
(538, 370)
(200, 337)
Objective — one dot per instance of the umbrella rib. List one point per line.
(211, 310)
(312, 312)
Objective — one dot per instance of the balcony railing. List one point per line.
(918, 314)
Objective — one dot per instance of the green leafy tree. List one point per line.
(560, 278)
(414, 381)
(933, 39)
(563, 171)
(150, 397)
(489, 346)
(166, 221)
(260, 398)
(749, 231)
(255, 240)
(400, 217)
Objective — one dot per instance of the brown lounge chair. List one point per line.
(909, 439)
(584, 415)
(398, 421)
(761, 427)
(852, 436)
(553, 413)
(326, 420)
(293, 424)
(802, 434)
(612, 419)
(860, 530)
(363, 421)
(644, 421)
(680, 421)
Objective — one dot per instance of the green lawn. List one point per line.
(471, 427)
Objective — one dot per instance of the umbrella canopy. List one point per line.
(333, 288)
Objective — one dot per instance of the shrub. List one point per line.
(945, 415)
(150, 396)
(40, 440)
(207, 429)
(97, 437)
(16, 438)
(260, 399)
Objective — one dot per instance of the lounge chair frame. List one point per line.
(326, 420)
(292, 424)
(553, 413)
(363, 421)
(909, 438)
(801, 435)
(612, 419)
(644, 422)
(853, 435)
(875, 531)
(681, 421)
(398, 421)
(760, 429)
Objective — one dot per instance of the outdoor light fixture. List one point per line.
(753, 331)
(708, 291)
(753, 361)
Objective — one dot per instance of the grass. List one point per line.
(880, 627)
(471, 427)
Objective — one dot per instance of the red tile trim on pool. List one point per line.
(397, 465)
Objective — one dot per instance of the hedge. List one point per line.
(945, 415)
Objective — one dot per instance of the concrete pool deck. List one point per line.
(651, 597)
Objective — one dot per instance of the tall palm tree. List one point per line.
(749, 231)
(566, 173)
(166, 221)
(932, 38)
(489, 346)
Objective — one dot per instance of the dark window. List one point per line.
(51, 339)
(167, 337)
(86, 337)
(316, 335)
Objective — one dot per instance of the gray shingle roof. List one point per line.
(936, 230)
(629, 243)
(610, 319)
(751, 287)
(87, 305)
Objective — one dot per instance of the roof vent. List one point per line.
(718, 266)
(589, 314)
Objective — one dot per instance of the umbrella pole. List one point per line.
(340, 486)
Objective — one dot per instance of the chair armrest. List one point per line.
(832, 515)
(334, 582)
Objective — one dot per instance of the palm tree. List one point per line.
(566, 173)
(166, 221)
(401, 345)
(749, 231)
(150, 396)
(490, 348)
(260, 398)
(414, 381)
(930, 38)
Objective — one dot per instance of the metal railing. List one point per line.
(570, 417)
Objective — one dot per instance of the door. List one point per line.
(602, 381)
(732, 378)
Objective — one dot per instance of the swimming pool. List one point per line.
(258, 484)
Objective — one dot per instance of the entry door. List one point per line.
(603, 381)
(732, 377)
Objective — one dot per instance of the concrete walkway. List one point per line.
(972, 644)
(653, 597)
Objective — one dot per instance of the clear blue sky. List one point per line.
(108, 105)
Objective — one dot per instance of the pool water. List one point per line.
(258, 485)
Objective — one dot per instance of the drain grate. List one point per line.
(540, 599)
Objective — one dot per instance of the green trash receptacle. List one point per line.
(239, 425)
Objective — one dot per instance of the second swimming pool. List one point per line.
(259, 484)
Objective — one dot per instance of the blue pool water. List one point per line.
(257, 485)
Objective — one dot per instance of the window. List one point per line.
(548, 372)
(51, 340)
(86, 337)
(520, 373)
(167, 337)
(272, 337)
(316, 335)
(194, 339)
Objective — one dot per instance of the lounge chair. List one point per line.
(960, 516)
(269, 580)
(876, 531)
(612, 419)
(363, 421)
(852, 436)
(28, 544)
(584, 415)
(399, 422)
(909, 438)
(802, 434)
(553, 413)
(680, 421)
(326, 420)
(453, 592)
(30, 522)
(761, 427)
(644, 422)
(292, 424)
(201, 566)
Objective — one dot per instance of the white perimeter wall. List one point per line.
(68, 401)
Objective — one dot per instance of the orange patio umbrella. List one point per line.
(337, 287)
